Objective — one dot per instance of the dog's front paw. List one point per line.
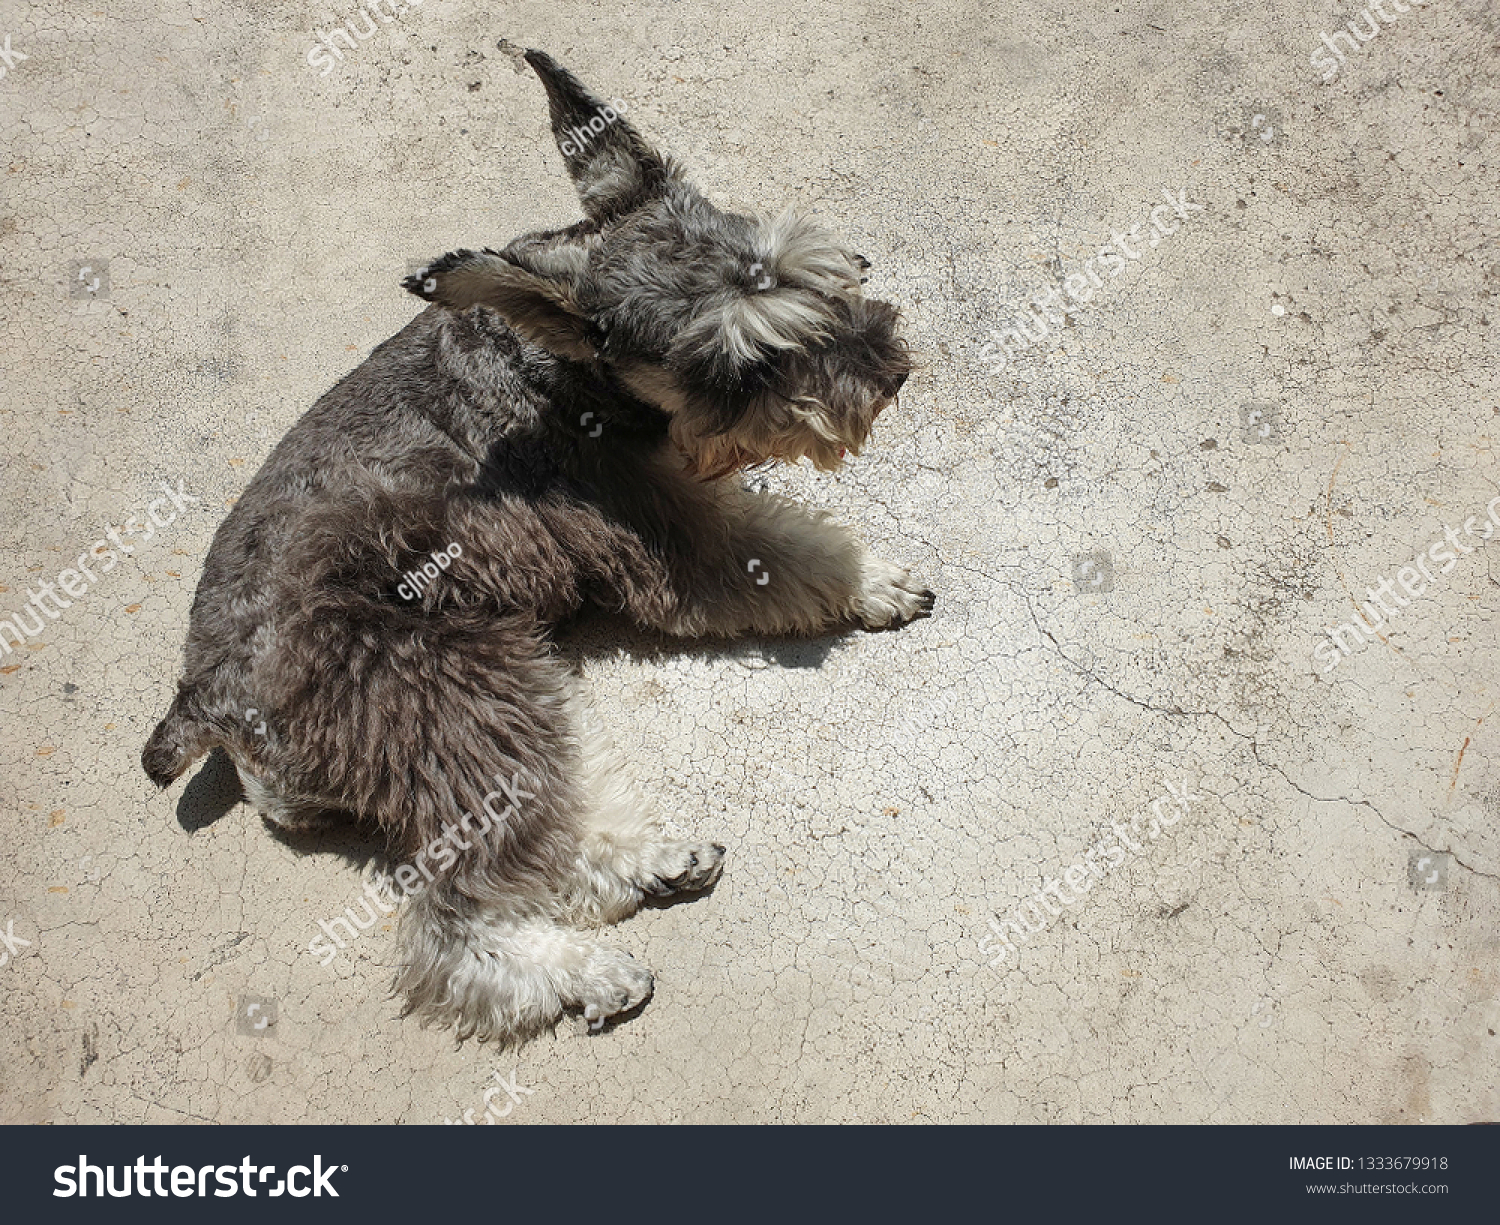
(437, 281)
(614, 982)
(682, 867)
(889, 596)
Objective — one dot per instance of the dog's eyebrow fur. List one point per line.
(808, 269)
(746, 325)
(803, 253)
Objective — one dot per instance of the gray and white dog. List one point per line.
(563, 425)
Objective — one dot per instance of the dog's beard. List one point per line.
(806, 433)
(716, 462)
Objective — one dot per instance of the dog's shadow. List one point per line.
(594, 635)
(210, 794)
(214, 792)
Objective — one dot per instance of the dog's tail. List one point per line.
(178, 741)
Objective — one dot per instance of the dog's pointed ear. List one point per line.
(540, 308)
(613, 167)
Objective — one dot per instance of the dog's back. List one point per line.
(444, 415)
(364, 429)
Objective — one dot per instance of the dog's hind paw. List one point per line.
(889, 596)
(614, 982)
(682, 867)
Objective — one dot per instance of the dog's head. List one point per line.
(751, 334)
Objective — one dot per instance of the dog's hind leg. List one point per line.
(492, 971)
(452, 733)
(624, 854)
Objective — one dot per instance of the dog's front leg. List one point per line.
(764, 564)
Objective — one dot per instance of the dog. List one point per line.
(563, 426)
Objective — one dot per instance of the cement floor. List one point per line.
(1140, 525)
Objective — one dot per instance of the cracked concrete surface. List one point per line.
(1276, 956)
